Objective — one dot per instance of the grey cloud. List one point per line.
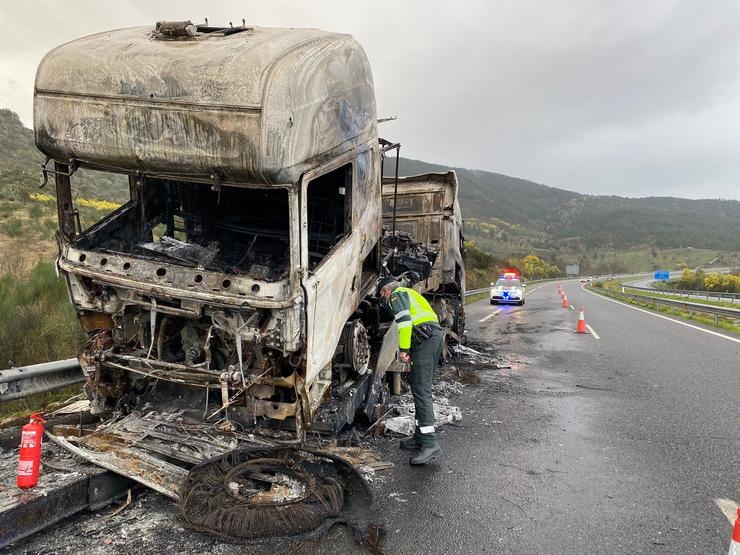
(634, 98)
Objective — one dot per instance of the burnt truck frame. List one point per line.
(243, 265)
(423, 210)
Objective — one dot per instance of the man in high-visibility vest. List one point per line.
(420, 340)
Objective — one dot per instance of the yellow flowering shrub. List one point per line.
(92, 203)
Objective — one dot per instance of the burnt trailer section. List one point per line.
(240, 266)
(424, 213)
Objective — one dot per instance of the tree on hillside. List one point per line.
(534, 267)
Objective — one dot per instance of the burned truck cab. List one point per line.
(238, 267)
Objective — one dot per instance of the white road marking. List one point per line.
(571, 307)
(538, 287)
(710, 332)
(728, 508)
(589, 328)
(491, 315)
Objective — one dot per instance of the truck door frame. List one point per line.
(328, 288)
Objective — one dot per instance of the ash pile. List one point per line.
(463, 366)
(401, 418)
(475, 354)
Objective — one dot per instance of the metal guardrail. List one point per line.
(691, 308)
(38, 378)
(719, 295)
(476, 291)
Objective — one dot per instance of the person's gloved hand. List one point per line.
(404, 357)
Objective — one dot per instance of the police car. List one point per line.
(508, 289)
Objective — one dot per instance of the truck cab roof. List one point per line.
(259, 105)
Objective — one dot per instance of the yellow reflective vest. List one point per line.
(409, 309)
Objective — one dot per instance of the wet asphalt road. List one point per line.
(618, 444)
(582, 445)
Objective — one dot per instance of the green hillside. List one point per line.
(16, 141)
(20, 168)
(513, 217)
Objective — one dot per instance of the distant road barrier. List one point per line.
(691, 308)
(731, 297)
(38, 378)
(476, 291)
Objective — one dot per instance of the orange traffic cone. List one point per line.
(565, 302)
(581, 327)
(735, 540)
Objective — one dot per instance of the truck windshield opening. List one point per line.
(236, 231)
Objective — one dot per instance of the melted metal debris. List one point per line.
(185, 252)
(472, 356)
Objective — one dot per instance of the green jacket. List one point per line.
(409, 309)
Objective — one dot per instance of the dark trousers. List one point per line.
(424, 358)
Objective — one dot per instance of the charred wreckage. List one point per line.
(239, 277)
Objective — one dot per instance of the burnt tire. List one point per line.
(253, 494)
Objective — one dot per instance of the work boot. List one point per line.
(426, 455)
(411, 444)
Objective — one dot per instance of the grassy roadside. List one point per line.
(609, 289)
(37, 324)
(16, 412)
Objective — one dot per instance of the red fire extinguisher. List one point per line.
(30, 455)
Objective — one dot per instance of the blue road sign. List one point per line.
(662, 275)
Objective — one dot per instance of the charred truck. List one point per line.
(241, 272)
(423, 214)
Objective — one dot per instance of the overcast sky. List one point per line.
(634, 98)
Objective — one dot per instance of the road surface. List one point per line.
(620, 444)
